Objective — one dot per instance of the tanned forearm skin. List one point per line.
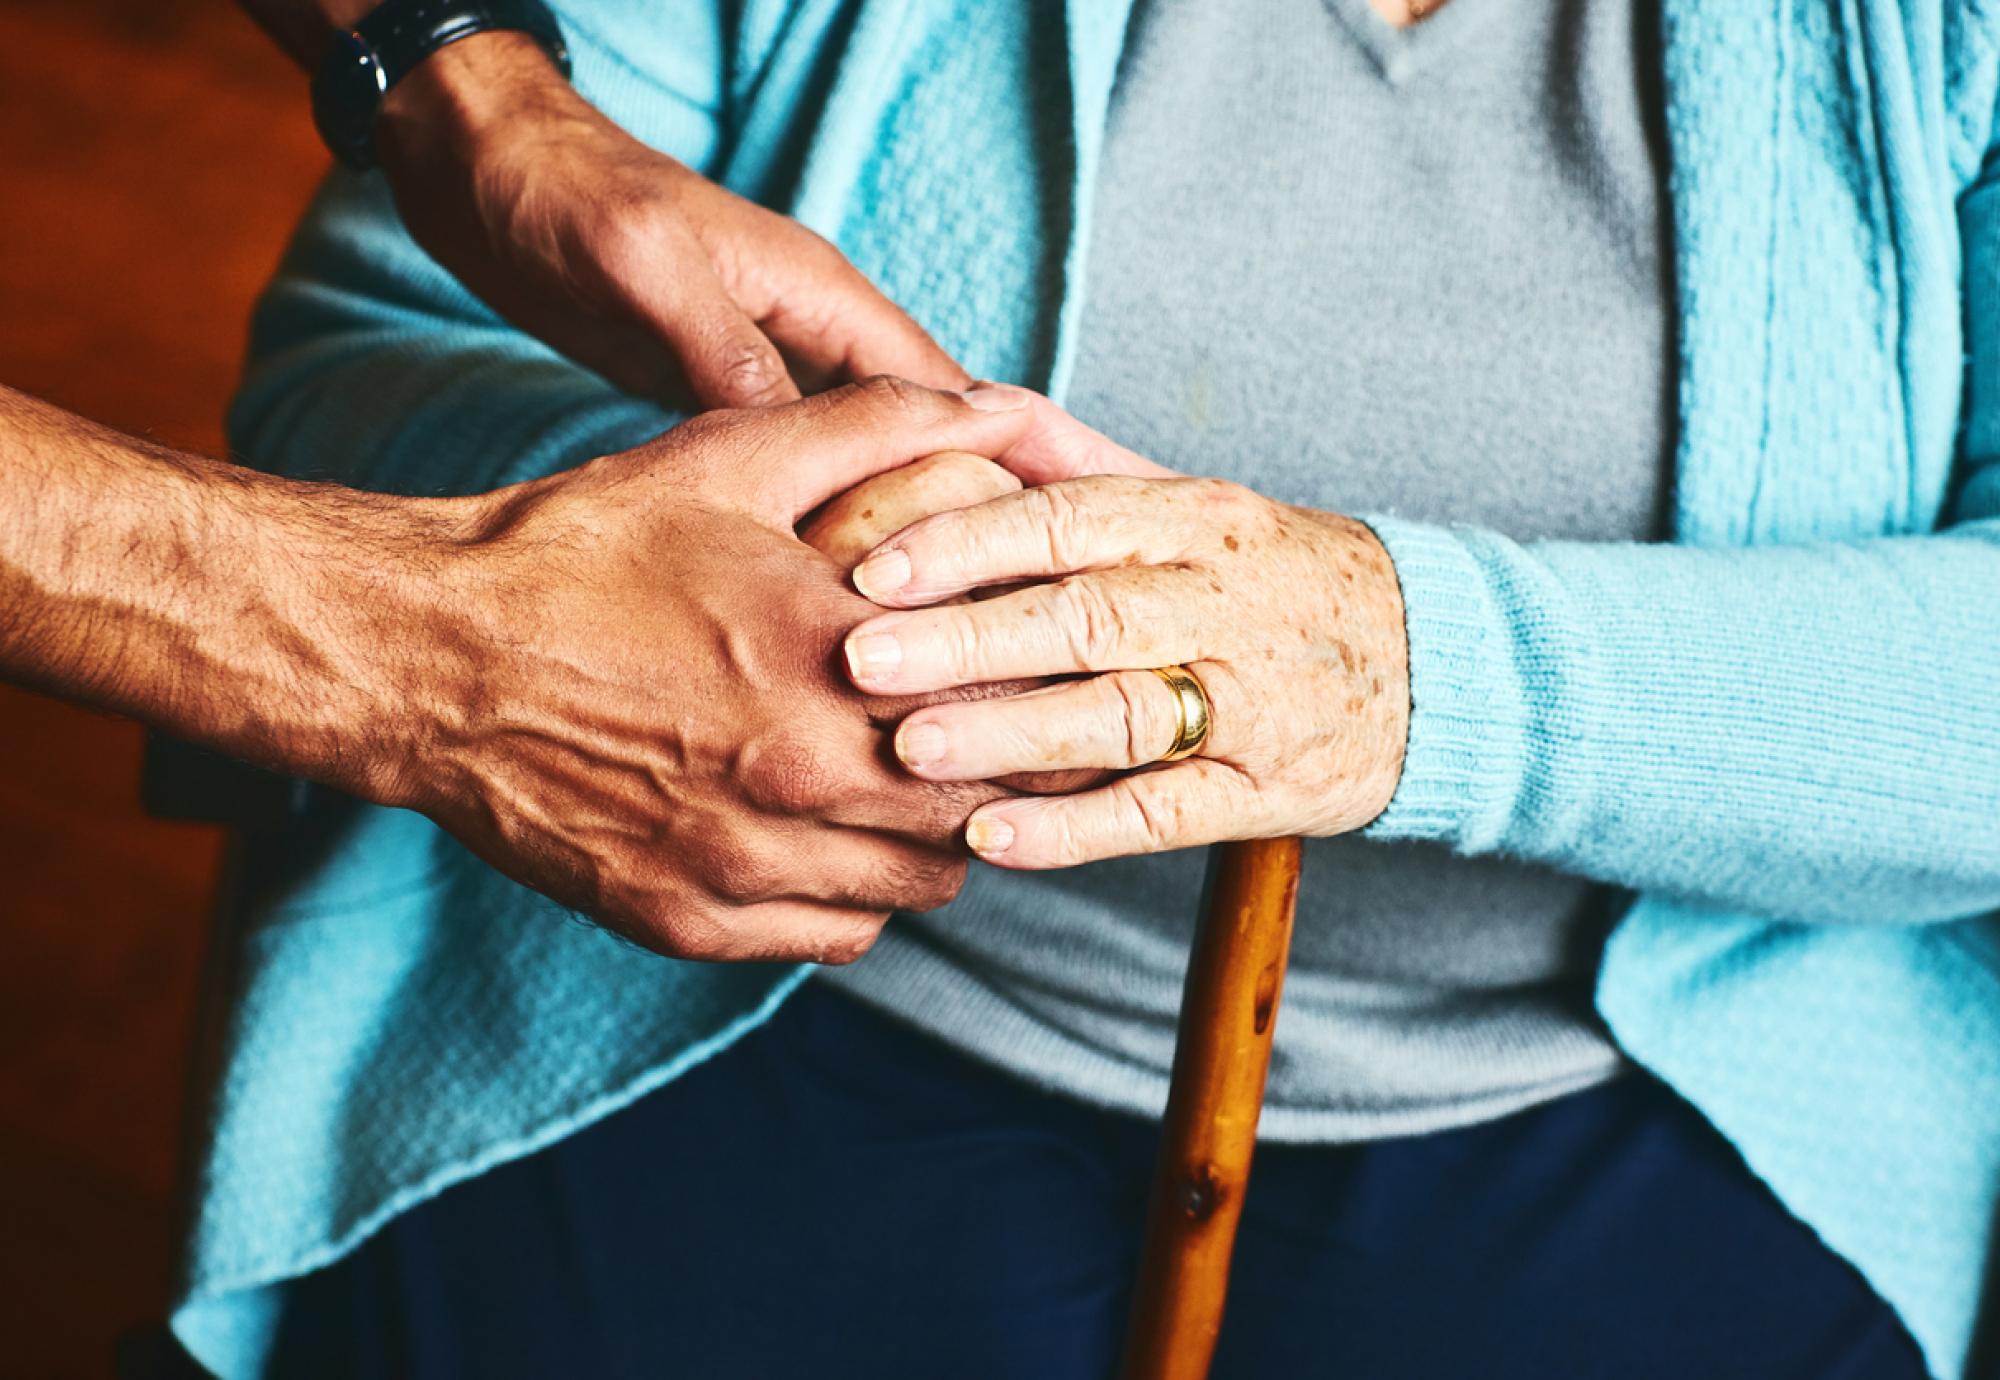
(288, 624)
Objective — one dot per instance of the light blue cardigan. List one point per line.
(1784, 730)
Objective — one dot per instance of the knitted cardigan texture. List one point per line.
(1782, 730)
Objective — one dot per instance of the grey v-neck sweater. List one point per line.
(1416, 271)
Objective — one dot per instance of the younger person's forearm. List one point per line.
(289, 624)
(495, 67)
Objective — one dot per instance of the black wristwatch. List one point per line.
(382, 49)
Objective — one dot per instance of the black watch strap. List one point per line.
(367, 61)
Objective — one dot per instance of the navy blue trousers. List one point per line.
(839, 1196)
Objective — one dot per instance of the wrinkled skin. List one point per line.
(1291, 619)
(851, 525)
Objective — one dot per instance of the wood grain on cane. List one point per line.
(1236, 977)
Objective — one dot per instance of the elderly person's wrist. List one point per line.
(1467, 701)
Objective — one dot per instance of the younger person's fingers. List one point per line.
(786, 931)
(807, 932)
(1059, 447)
(840, 327)
(848, 868)
(728, 361)
(851, 434)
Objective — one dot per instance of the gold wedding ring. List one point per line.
(1191, 704)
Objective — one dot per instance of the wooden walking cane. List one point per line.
(1229, 1008)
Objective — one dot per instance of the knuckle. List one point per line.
(1134, 708)
(839, 948)
(691, 931)
(929, 885)
(1093, 622)
(706, 430)
(894, 397)
(792, 777)
(1153, 816)
(1065, 842)
(964, 648)
(819, 252)
(1064, 522)
(742, 871)
(748, 368)
(937, 816)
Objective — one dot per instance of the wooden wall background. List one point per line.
(153, 154)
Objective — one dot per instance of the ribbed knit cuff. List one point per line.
(1467, 718)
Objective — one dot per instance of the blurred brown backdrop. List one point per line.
(153, 154)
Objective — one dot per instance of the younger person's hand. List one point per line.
(620, 257)
(626, 694)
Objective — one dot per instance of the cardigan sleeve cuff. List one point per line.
(1462, 764)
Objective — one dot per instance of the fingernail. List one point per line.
(873, 655)
(995, 397)
(885, 572)
(988, 837)
(920, 744)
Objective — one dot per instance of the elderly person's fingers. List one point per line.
(851, 524)
(1290, 620)
(1126, 619)
(1179, 806)
(1057, 529)
(1110, 722)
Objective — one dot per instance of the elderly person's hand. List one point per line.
(1291, 619)
(850, 526)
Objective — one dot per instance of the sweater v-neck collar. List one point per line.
(1399, 54)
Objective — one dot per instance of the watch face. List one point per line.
(350, 85)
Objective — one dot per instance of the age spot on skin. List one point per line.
(1229, 541)
(1346, 655)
